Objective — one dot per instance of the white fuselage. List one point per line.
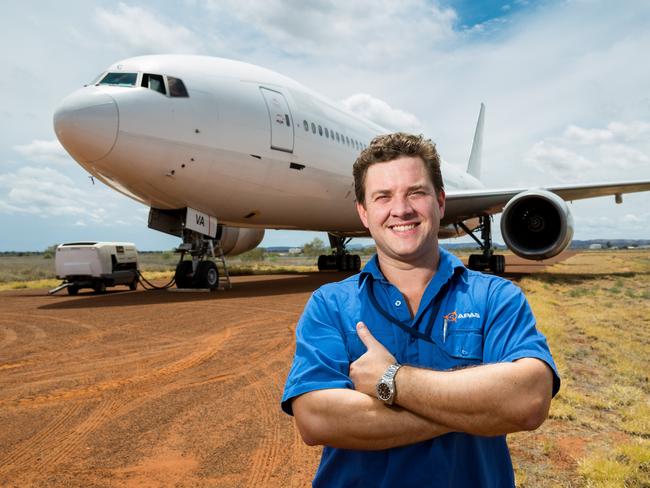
(247, 145)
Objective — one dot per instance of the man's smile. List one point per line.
(403, 227)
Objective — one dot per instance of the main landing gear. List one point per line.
(487, 260)
(340, 259)
(200, 271)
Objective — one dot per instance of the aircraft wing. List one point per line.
(467, 204)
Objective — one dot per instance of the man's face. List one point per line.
(402, 210)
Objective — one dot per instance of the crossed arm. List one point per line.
(492, 399)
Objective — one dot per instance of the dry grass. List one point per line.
(594, 309)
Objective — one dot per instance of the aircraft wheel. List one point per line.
(73, 290)
(183, 275)
(208, 275)
(497, 263)
(99, 287)
(134, 284)
(356, 263)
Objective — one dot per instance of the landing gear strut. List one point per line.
(199, 272)
(340, 259)
(486, 260)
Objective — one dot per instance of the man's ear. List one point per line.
(363, 214)
(441, 202)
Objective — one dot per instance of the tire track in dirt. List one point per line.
(9, 337)
(211, 344)
(27, 453)
(24, 317)
(264, 456)
(71, 440)
(39, 333)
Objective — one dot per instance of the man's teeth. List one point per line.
(402, 228)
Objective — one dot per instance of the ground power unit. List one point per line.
(96, 265)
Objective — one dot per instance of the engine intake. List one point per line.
(537, 224)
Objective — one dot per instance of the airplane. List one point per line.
(221, 150)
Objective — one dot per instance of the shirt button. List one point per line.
(463, 352)
(397, 303)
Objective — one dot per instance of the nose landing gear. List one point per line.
(201, 272)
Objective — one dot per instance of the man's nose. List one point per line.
(402, 207)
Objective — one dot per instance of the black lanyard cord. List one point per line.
(402, 325)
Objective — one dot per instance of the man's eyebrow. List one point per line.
(380, 192)
(416, 187)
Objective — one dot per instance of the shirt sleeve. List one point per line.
(321, 360)
(510, 332)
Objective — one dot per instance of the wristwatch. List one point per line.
(386, 384)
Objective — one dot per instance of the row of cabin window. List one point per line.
(333, 135)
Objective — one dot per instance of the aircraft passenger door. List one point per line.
(280, 118)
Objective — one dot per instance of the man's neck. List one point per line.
(410, 276)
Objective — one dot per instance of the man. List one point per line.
(412, 372)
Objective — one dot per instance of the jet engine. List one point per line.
(537, 224)
(236, 240)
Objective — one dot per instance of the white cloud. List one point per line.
(632, 131)
(560, 162)
(41, 151)
(381, 113)
(587, 136)
(49, 193)
(144, 31)
(632, 219)
(622, 156)
(363, 31)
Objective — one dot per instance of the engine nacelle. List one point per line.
(537, 224)
(236, 240)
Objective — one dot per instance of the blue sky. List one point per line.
(565, 84)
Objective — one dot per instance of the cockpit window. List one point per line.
(119, 79)
(176, 87)
(154, 82)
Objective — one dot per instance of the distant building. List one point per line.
(295, 250)
(595, 246)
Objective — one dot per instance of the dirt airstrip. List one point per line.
(153, 388)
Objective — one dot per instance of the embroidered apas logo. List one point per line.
(453, 316)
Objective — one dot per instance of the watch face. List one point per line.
(383, 391)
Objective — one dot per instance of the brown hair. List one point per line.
(389, 147)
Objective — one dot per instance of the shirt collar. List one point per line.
(448, 265)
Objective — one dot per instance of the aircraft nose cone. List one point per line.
(86, 124)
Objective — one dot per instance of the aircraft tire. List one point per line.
(207, 275)
(73, 290)
(498, 263)
(183, 275)
(99, 287)
(356, 263)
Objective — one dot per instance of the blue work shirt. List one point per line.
(472, 318)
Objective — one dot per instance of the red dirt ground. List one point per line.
(153, 388)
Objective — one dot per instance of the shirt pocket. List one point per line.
(355, 348)
(465, 346)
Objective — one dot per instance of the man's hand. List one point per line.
(366, 371)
